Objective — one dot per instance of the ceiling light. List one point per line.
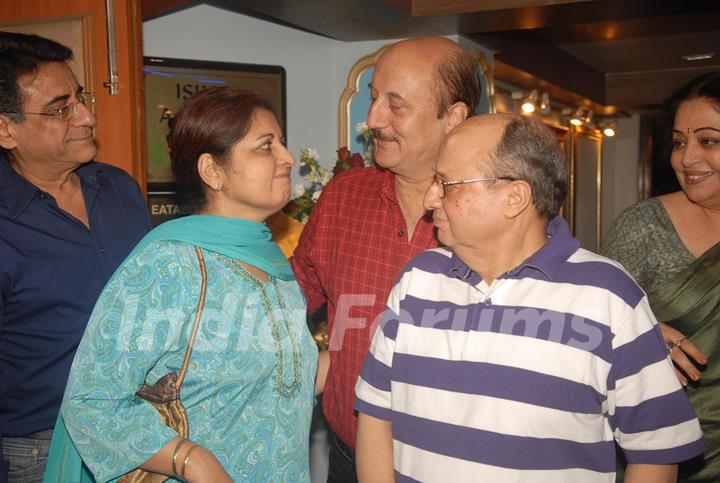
(528, 106)
(694, 57)
(545, 106)
(577, 117)
(608, 128)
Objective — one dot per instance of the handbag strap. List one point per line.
(198, 315)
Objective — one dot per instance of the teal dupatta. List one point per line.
(691, 304)
(237, 238)
(64, 462)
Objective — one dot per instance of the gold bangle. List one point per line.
(175, 453)
(185, 461)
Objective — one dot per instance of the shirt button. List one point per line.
(42, 196)
(102, 250)
(401, 233)
(34, 451)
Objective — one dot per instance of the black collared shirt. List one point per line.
(52, 269)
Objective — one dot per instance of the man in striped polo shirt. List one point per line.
(513, 355)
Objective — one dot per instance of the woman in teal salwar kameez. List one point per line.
(671, 245)
(249, 388)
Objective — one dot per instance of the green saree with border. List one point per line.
(691, 304)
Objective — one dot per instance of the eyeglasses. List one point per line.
(86, 98)
(442, 185)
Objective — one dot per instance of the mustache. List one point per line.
(377, 134)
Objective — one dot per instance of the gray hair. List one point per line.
(457, 81)
(529, 151)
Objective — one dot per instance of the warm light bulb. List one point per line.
(578, 118)
(545, 107)
(588, 119)
(609, 131)
(528, 107)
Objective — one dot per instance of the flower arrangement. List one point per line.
(316, 177)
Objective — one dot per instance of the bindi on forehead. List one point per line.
(697, 130)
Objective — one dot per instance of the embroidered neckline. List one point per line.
(282, 388)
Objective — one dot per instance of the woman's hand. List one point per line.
(682, 350)
(322, 370)
(203, 467)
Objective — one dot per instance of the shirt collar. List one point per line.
(89, 173)
(388, 186)
(547, 260)
(459, 269)
(16, 192)
(550, 257)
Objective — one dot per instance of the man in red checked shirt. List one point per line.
(370, 222)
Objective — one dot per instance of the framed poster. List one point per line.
(169, 82)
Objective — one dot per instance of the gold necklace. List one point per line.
(281, 387)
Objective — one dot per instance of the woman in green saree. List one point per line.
(671, 245)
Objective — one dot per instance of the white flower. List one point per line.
(361, 127)
(312, 153)
(326, 177)
(299, 190)
(316, 195)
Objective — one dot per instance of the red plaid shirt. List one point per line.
(350, 254)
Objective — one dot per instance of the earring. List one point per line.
(216, 187)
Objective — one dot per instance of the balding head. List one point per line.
(407, 114)
(479, 135)
(452, 69)
(517, 147)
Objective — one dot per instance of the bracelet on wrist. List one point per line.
(185, 461)
(179, 444)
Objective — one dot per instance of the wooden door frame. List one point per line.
(120, 132)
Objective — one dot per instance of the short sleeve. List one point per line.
(652, 419)
(372, 390)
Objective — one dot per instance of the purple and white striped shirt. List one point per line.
(531, 378)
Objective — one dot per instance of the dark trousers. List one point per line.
(27, 457)
(341, 465)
